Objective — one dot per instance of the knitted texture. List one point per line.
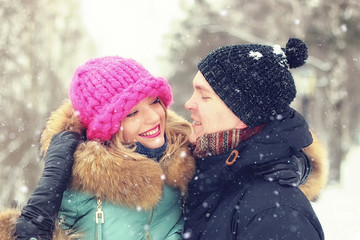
(221, 142)
(254, 80)
(104, 90)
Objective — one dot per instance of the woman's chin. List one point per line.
(154, 143)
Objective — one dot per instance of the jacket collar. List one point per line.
(155, 154)
(289, 132)
(279, 139)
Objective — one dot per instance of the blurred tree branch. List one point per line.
(41, 43)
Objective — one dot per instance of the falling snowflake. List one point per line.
(24, 189)
(146, 227)
(278, 51)
(343, 27)
(187, 235)
(255, 55)
(223, 13)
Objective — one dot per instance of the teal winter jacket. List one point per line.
(164, 221)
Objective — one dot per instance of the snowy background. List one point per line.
(137, 23)
(338, 207)
(35, 48)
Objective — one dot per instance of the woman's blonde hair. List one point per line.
(177, 131)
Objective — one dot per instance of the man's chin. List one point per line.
(192, 138)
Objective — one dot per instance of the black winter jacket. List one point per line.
(235, 202)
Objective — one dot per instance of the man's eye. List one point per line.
(132, 114)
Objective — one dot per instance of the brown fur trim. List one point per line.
(63, 118)
(180, 170)
(7, 223)
(128, 182)
(179, 167)
(319, 175)
(7, 227)
(60, 234)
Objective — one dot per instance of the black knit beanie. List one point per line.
(254, 80)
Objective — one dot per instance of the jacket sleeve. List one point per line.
(280, 223)
(38, 216)
(8, 219)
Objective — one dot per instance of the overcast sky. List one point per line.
(132, 28)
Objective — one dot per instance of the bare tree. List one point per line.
(41, 42)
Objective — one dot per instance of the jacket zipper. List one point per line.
(99, 219)
(147, 234)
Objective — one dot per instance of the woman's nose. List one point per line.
(152, 116)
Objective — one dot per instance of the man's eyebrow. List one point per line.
(201, 88)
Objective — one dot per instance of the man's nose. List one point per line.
(189, 103)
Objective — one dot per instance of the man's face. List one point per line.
(209, 112)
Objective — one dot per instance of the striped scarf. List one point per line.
(220, 142)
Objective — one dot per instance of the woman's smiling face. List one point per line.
(145, 124)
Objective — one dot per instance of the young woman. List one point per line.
(130, 175)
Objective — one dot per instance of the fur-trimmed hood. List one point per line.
(319, 175)
(128, 182)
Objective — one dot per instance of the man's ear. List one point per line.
(241, 125)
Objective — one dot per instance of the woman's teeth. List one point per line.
(149, 133)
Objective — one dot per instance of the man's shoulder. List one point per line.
(260, 195)
(274, 205)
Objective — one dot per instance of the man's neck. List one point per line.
(220, 142)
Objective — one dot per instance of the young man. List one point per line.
(244, 127)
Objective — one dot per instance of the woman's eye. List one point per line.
(132, 114)
(156, 101)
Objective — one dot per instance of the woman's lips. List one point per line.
(154, 132)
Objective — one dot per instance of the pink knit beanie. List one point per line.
(104, 90)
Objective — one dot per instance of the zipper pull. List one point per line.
(99, 213)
